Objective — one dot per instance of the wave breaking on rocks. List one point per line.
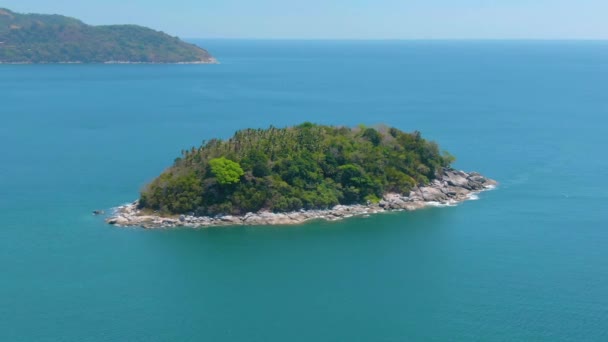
(450, 188)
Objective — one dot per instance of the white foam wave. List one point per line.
(441, 205)
(473, 197)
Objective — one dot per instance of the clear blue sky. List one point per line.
(344, 19)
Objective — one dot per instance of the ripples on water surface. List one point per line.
(525, 262)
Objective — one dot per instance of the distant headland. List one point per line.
(41, 38)
(295, 174)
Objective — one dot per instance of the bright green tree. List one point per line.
(226, 171)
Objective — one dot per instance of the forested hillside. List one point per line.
(285, 169)
(38, 38)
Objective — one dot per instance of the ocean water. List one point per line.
(527, 261)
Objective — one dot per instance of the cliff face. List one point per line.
(39, 38)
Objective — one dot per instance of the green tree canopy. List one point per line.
(306, 166)
(225, 170)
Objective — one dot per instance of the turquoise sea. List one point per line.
(526, 262)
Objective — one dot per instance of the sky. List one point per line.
(343, 19)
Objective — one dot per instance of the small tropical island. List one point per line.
(42, 38)
(295, 174)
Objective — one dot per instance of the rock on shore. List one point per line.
(451, 187)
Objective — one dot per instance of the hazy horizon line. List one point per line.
(412, 39)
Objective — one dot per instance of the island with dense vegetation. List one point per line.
(41, 38)
(294, 174)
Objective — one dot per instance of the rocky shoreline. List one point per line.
(451, 187)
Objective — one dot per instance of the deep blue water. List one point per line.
(527, 261)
